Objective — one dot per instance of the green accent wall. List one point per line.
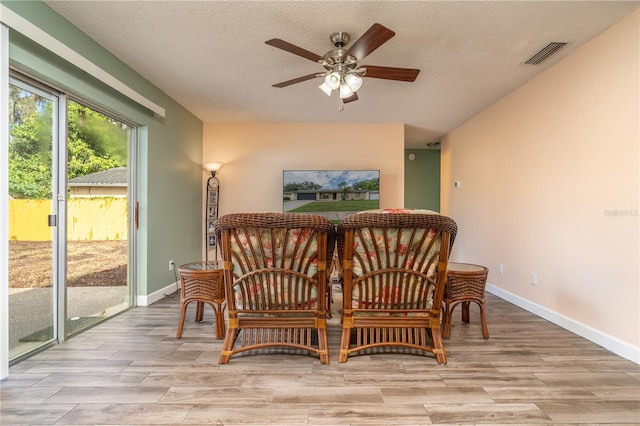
(169, 163)
(422, 179)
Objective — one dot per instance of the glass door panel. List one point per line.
(97, 217)
(32, 301)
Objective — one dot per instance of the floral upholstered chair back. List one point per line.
(275, 263)
(394, 261)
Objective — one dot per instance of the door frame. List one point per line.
(4, 202)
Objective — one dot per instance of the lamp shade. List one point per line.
(213, 167)
(325, 88)
(353, 81)
(345, 91)
(333, 80)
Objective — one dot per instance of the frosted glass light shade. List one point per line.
(213, 167)
(353, 81)
(333, 80)
(325, 88)
(345, 91)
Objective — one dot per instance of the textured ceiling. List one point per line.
(210, 56)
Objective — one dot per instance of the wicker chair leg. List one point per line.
(483, 320)
(446, 328)
(219, 316)
(199, 311)
(323, 346)
(465, 312)
(183, 313)
(227, 346)
(345, 342)
(438, 346)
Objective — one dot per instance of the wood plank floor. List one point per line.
(131, 370)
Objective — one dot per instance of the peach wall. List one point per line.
(550, 185)
(255, 154)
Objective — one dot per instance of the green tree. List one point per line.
(23, 104)
(368, 184)
(95, 142)
(30, 149)
(301, 186)
(30, 128)
(30, 177)
(344, 188)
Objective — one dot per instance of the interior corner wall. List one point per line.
(550, 186)
(422, 179)
(255, 154)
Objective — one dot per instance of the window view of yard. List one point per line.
(93, 263)
(97, 244)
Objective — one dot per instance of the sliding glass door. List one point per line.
(69, 217)
(97, 217)
(33, 129)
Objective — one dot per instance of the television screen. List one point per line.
(331, 193)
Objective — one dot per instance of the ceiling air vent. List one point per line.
(545, 53)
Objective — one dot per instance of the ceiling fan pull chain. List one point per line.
(340, 104)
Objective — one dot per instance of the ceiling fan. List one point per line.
(342, 70)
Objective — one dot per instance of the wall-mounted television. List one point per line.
(331, 193)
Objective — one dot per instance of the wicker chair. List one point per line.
(394, 271)
(276, 273)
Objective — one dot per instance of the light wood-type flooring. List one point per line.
(131, 370)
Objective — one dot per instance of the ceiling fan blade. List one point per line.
(284, 45)
(391, 73)
(351, 98)
(297, 80)
(375, 37)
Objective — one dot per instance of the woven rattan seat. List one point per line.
(465, 284)
(276, 276)
(394, 270)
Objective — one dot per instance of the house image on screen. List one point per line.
(106, 183)
(331, 185)
(332, 195)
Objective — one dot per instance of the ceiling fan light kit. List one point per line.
(333, 80)
(345, 91)
(353, 81)
(325, 88)
(342, 72)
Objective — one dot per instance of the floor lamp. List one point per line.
(212, 195)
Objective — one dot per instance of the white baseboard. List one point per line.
(611, 343)
(149, 299)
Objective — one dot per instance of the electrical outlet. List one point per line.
(500, 268)
(534, 279)
(172, 265)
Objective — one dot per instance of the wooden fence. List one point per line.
(89, 219)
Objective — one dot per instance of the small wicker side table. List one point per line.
(465, 284)
(202, 282)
